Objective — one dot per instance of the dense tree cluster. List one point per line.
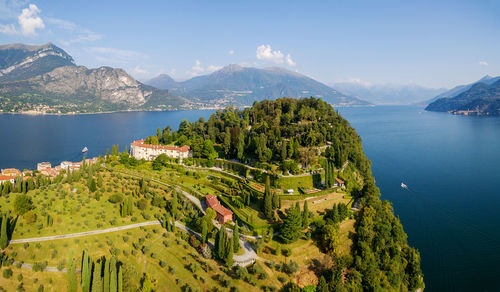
(275, 131)
(100, 275)
(223, 246)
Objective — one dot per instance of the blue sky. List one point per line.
(431, 43)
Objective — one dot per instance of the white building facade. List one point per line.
(149, 152)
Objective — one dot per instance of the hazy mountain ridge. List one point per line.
(481, 98)
(462, 88)
(389, 94)
(239, 85)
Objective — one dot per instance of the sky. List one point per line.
(430, 43)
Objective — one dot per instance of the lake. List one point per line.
(450, 164)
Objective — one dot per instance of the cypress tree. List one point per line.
(113, 276)
(107, 153)
(85, 272)
(268, 200)
(305, 215)
(229, 252)
(236, 237)
(97, 278)
(204, 231)
(322, 285)
(120, 279)
(106, 276)
(3, 232)
(71, 274)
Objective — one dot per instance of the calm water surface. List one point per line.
(450, 163)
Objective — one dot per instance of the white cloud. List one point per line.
(197, 69)
(30, 21)
(8, 29)
(61, 23)
(266, 53)
(354, 81)
(483, 63)
(231, 52)
(289, 61)
(139, 71)
(113, 55)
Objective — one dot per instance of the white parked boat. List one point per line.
(85, 149)
(404, 186)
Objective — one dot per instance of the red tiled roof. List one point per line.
(6, 177)
(339, 180)
(222, 210)
(213, 203)
(140, 143)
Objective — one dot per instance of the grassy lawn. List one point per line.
(31, 281)
(75, 209)
(346, 231)
(318, 204)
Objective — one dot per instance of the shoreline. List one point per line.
(36, 113)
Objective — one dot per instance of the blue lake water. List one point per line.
(450, 163)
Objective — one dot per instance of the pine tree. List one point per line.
(3, 232)
(97, 278)
(292, 225)
(71, 274)
(236, 237)
(305, 215)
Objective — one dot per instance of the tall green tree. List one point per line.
(236, 237)
(106, 275)
(227, 142)
(305, 215)
(96, 277)
(3, 231)
(292, 225)
(120, 279)
(268, 200)
(113, 276)
(86, 271)
(71, 274)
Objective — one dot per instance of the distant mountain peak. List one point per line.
(231, 68)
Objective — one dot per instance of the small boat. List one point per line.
(404, 186)
(85, 149)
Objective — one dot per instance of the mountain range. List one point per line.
(478, 98)
(46, 79)
(389, 94)
(239, 85)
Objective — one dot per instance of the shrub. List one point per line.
(115, 198)
(7, 273)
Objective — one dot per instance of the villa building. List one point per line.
(223, 214)
(339, 182)
(43, 166)
(149, 152)
(11, 172)
(6, 178)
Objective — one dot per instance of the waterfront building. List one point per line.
(11, 172)
(43, 166)
(149, 152)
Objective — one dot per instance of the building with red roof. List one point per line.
(222, 213)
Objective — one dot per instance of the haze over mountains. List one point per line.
(389, 94)
(239, 85)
